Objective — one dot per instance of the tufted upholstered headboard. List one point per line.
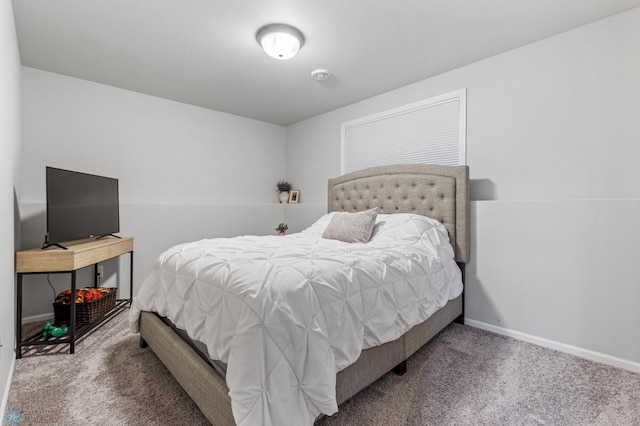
(435, 191)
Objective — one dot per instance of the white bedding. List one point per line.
(287, 313)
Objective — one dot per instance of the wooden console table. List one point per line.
(53, 260)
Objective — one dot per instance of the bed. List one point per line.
(395, 193)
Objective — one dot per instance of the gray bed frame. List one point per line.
(439, 192)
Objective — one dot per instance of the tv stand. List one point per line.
(77, 255)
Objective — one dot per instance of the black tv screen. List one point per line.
(80, 205)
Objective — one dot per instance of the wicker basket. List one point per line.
(86, 313)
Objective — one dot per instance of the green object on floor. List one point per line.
(49, 330)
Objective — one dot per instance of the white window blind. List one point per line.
(432, 131)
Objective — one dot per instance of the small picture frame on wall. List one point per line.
(294, 196)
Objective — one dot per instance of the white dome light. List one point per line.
(280, 41)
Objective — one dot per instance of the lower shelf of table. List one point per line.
(81, 330)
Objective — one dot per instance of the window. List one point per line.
(432, 131)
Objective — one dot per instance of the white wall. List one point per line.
(552, 134)
(9, 157)
(184, 172)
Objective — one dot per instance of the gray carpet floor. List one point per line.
(465, 376)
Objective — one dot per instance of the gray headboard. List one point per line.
(435, 191)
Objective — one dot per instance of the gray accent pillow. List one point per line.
(351, 227)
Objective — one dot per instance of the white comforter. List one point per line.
(287, 313)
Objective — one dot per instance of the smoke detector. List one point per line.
(320, 74)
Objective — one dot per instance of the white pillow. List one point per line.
(318, 227)
(406, 226)
(351, 227)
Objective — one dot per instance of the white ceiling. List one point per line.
(204, 52)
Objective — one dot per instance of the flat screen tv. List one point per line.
(80, 205)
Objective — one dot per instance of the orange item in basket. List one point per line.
(83, 295)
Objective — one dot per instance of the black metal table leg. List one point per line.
(19, 317)
(131, 279)
(72, 314)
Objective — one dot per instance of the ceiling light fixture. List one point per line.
(280, 41)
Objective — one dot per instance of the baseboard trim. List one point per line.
(558, 346)
(34, 318)
(5, 395)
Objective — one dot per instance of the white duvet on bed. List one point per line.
(287, 313)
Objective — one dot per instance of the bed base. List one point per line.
(209, 390)
(199, 380)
